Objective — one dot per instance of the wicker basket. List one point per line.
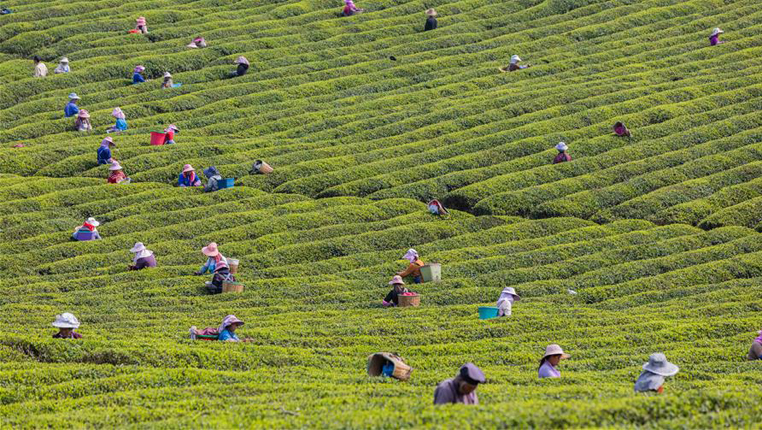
(406, 301)
(232, 287)
(376, 362)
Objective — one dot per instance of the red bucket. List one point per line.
(157, 138)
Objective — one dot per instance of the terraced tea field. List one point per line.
(657, 234)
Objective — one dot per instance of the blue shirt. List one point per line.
(137, 78)
(227, 334)
(121, 124)
(104, 154)
(70, 110)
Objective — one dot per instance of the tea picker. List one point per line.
(437, 208)
(654, 372)
(553, 356)
(562, 156)
(82, 122)
(197, 42)
(431, 20)
(168, 82)
(350, 9)
(137, 76)
(242, 68)
(66, 323)
(505, 301)
(188, 177)
(143, 257)
(714, 38)
(225, 332)
(117, 176)
(71, 108)
(414, 268)
(121, 121)
(398, 288)
(104, 151)
(40, 69)
(620, 130)
(63, 66)
(87, 231)
(755, 352)
(462, 388)
(216, 264)
(141, 25)
(514, 65)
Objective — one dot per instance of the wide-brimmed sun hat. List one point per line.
(554, 349)
(410, 254)
(511, 291)
(241, 60)
(171, 127)
(93, 222)
(210, 250)
(397, 280)
(139, 69)
(138, 247)
(65, 60)
(73, 96)
(188, 168)
(717, 31)
(115, 166)
(562, 146)
(658, 364)
(117, 113)
(515, 59)
(431, 12)
(66, 320)
(108, 140)
(229, 320)
(83, 114)
(167, 75)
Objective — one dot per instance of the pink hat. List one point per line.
(117, 113)
(170, 128)
(83, 114)
(139, 69)
(188, 168)
(228, 320)
(141, 20)
(210, 250)
(397, 280)
(115, 166)
(108, 139)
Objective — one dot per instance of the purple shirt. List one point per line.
(713, 40)
(447, 392)
(548, 371)
(561, 157)
(144, 262)
(72, 335)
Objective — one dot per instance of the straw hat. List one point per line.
(115, 166)
(515, 59)
(139, 247)
(167, 75)
(561, 146)
(65, 60)
(511, 291)
(431, 12)
(210, 250)
(73, 96)
(66, 320)
(93, 222)
(83, 114)
(188, 168)
(397, 280)
(658, 364)
(717, 31)
(554, 349)
(108, 140)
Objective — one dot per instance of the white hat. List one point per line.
(717, 31)
(66, 320)
(73, 96)
(561, 146)
(93, 222)
(138, 247)
(658, 364)
(65, 60)
(511, 291)
(167, 75)
(115, 166)
(554, 349)
(515, 59)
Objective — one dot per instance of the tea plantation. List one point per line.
(656, 235)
